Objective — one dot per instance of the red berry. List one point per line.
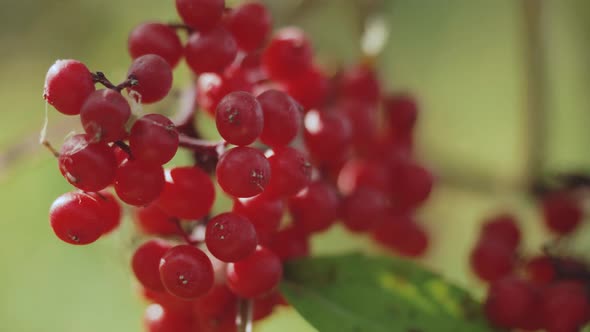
(310, 88)
(401, 111)
(239, 118)
(562, 213)
(110, 210)
(146, 263)
(541, 270)
(76, 218)
(243, 172)
(160, 319)
(188, 193)
(363, 117)
(152, 220)
(217, 301)
(565, 307)
(186, 272)
(153, 139)
(154, 77)
(502, 228)
(282, 118)
(403, 235)
(230, 237)
(104, 115)
(250, 24)
(357, 173)
(86, 165)
(509, 302)
(291, 172)
(492, 260)
(264, 211)
(288, 53)
(211, 51)
(139, 183)
(360, 83)
(327, 135)
(200, 14)
(290, 243)
(412, 185)
(168, 301)
(67, 85)
(363, 209)
(255, 275)
(315, 208)
(211, 88)
(155, 38)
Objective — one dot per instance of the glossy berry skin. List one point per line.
(200, 14)
(215, 302)
(186, 272)
(250, 25)
(168, 301)
(154, 77)
(188, 193)
(255, 275)
(211, 51)
(76, 218)
(290, 243)
(264, 212)
(239, 118)
(230, 237)
(67, 85)
(310, 88)
(315, 208)
(243, 172)
(491, 260)
(158, 318)
(139, 183)
(146, 263)
(509, 302)
(151, 220)
(357, 173)
(291, 171)
(104, 115)
(565, 306)
(87, 166)
(562, 213)
(403, 235)
(401, 111)
(363, 118)
(282, 118)
(288, 53)
(363, 209)
(327, 135)
(412, 185)
(360, 83)
(502, 228)
(211, 88)
(155, 38)
(110, 210)
(153, 139)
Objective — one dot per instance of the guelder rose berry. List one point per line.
(186, 272)
(255, 275)
(67, 85)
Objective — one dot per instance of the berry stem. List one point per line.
(50, 148)
(183, 233)
(245, 314)
(99, 77)
(123, 146)
(202, 146)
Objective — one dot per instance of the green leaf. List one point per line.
(357, 293)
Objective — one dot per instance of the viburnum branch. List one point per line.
(245, 315)
(123, 146)
(50, 148)
(183, 233)
(99, 77)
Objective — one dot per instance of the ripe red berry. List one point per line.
(401, 111)
(155, 38)
(502, 228)
(217, 301)
(243, 172)
(403, 235)
(310, 88)
(239, 118)
(110, 210)
(491, 260)
(153, 139)
(211, 88)
(76, 218)
(363, 209)
(282, 118)
(186, 272)
(250, 24)
(146, 263)
(290, 243)
(540, 270)
(188, 193)
(412, 185)
(357, 173)
(315, 208)
(151, 220)
(291, 172)
(360, 83)
(327, 135)
(288, 53)
(255, 275)
(86, 165)
(565, 307)
(264, 212)
(230, 237)
(170, 302)
(154, 77)
(509, 302)
(67, 85)
(104, 115)
(363, 117)
(161, 319)
(211, 51)
(561, 212)
(139, 183)
(200, 14)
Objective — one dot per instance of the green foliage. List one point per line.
(358, 293)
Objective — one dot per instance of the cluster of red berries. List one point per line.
(316, 147)
(546, 291)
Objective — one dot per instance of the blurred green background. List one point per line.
(463, 59)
